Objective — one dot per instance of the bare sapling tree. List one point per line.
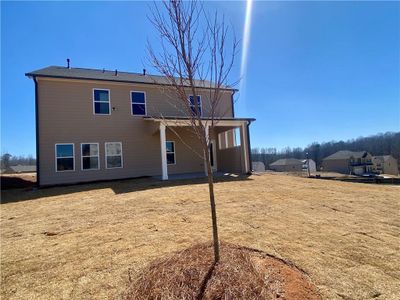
(195, 56)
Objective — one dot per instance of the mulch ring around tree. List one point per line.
(242, 273)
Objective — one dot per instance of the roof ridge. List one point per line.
(101, 70)
(115, 75)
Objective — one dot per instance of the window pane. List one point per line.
(100, 95)
(138, 97)
(114, 162)
(90, 163)
(65, 150)
(90, 150)
(65, 164)
(139, 109)
(85, 149)
(101, 108)
(194, 110)
(113, 149)
(170, 146)
(192, 101)
(170, 158)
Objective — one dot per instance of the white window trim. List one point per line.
(105, 155)
(145, 103)
(201, 104)
(173, 142)
(56, 157)
(109, 102)
(98, 157)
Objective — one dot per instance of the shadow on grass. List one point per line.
(117, 186)
(15, 182)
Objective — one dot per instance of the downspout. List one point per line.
(37, 132)
(249, 147)
(232, 104)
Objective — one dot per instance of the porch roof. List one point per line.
(183, 121)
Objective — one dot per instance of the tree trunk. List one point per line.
(213, 210)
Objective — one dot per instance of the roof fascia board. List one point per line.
(52, 77)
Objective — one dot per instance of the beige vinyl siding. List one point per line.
(390, 166)
(336, 165)
(230, 160)
(186, 160)
(66, 116)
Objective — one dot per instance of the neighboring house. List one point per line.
(348, 162)
(258, 166)
(100, 125)
(23, 169)
(385, 164)
(309, 164)
(287, 165)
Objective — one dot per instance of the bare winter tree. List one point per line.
(194, 56)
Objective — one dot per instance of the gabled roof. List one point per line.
(23, 168)
(287, 162)
(382, 157)
(345, 154)
(107, 75)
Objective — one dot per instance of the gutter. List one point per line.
(232, 104)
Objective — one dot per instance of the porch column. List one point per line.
(243, 144)
(207, 129)
(163, 153)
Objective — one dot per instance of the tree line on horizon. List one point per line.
(380, 144)
(8, 160)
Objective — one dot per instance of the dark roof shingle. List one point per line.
(346, 154)
(107, 75)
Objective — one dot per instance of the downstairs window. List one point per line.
(65, 157)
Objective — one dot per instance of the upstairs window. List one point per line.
(138, 103)
(113, 155)
(192, 104)
(65, 157)
(101, 101)
(170, 152)
(90, 156)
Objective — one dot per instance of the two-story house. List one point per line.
(100, 125)
(348, 162)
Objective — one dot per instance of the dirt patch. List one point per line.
(242, 273)
(17, 181)
(345, 236)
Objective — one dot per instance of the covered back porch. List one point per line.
(181, 152)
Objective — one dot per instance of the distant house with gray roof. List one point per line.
(22, 169)
(287, 165)
(348, 162)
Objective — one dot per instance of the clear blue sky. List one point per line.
(317, 71)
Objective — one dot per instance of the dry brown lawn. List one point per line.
(82, 241)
